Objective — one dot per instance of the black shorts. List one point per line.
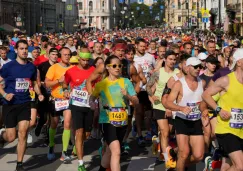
(229, 143)
(131, 112)
(160, 114)
(187, 127)
(82, 117)
(144, 100)
(112, 133)
(45, 106)
(33, 104)
(13, 114)
(55, 113)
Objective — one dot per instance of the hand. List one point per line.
(66, 94)
(9, 96)
(205, 113)
(61, 80)
(224, 114)
(168, 113)
(41, 97)
(205, 121)
(124, 92)
(185, 109)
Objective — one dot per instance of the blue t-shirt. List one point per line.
(17, 79)
(11, 55)
(31, 48)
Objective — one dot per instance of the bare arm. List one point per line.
(173, 96)
(153, 79)
(135, 77)
(170, 84)
(49, 83)
(95, 75)
(141, 75)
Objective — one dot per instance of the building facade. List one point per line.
(95, 13)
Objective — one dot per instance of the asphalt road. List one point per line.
(139, 159)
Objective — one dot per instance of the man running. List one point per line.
(229, 128)
(17, 75)
(82, 115)
(54, 80)
(187, 93)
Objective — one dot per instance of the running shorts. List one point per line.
(13, 114)
(82, 117)
(55, 113)
(144, 100)
(229, 143)
(187, 127)
(160, 114)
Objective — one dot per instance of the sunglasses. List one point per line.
(115, 65)
(198, 66)
(196, 49)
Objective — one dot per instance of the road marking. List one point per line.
(8, 162)
(142, 163)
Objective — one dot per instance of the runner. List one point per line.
(17, 75)
(44, 57)
(187, 93)
(161, 57)
(114, 92)
(144, 108)
(60, 105)
(229, 128)
(4, 59)
(160, 78)
(70, 45)
(82, 115)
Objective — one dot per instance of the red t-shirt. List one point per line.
(77, 77)
(40, 59)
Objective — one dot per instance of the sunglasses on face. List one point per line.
(115, 65)
(198, 66)
(196, 49)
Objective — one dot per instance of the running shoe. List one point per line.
(20, 167)
(2, 141)
(134, 129)
(124, 152)
(148, 136)
(161, 157)
(65, 157)
(81, 168)
(141, 142)
(51, 154)
(126, 146)
(29, 138)
(171, 162)
(73, 156)
(208, 163)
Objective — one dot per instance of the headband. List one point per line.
(85, 55)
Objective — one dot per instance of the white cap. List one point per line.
(28, 38)
(194, 61)
(202, 56)
(237, 56)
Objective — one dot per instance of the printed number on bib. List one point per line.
(118, 116)
(22, 84)
(61, 104)
(80, 97)
(236, 120)
(195, 113)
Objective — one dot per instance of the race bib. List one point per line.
(236, 120)
(61, 104)
(80, 97)
(22, 84)
(195, 113)
(32, 95)
(118, 116)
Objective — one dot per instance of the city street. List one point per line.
(36, 158)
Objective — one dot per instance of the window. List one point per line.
(179, 5)
(179, 18)
(91, 5)
(187, 5)
(103, 4)
(80, 5)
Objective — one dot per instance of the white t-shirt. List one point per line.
(147, 62)
(72, 48)
(3, 62)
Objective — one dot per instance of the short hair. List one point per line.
(184, 57)
(20, 41)
(174, 46)
(130, 48)
(70, 37)
(187, 43)
(169, 52)
(137, 41)
(53, 50)
(4, 49)
(50, 44)
(211, 41)
(64, 48)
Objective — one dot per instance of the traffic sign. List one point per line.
(204, 20)
(69, 7)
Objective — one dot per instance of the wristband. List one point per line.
(5, 94)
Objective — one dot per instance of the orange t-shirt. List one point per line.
(55, 72)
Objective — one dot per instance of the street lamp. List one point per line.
(114, 9)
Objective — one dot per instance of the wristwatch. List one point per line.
(218, 109)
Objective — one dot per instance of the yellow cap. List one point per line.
(73, 59)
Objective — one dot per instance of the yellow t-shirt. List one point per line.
(55, 72)
(232, 102)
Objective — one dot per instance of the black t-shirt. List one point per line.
(205, 78)
(125, 69)
(43, 68)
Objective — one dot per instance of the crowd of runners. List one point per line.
(184, 90)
